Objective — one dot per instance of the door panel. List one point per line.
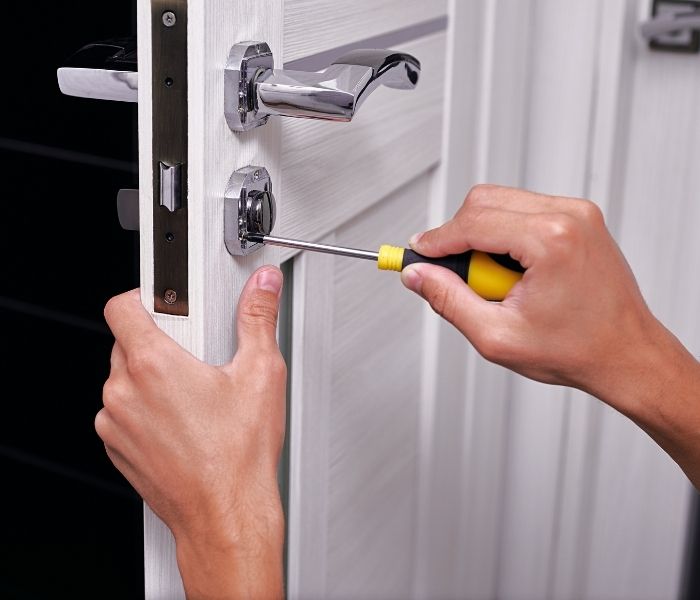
(363, 492)
(331, 174)
(315, 26)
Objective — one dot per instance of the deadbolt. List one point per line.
(249, 208)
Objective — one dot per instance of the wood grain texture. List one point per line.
(214, 153)
(374, 410)
(558, 103)
(312, 26)
(582, 449)
(334, 171)
(445, 534)
(355, 410)
(311, 394)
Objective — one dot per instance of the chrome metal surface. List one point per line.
(105, 70)
(246, 61)
(249, 208)
(170, 154)
(99, 84)
(169, 18)
(128, 209)
(675, 26)
(254, 89)
(314, 247)
(171, 186)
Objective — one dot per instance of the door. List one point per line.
(358, 340)
(416, 469)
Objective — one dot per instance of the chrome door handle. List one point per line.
(254, 89)
(103, 71)
(671, 23)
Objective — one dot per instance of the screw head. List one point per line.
(170, 296)
(169, 18)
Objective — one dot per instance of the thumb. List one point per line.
(258, 308)
(455, 301)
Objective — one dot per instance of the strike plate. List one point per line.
(169, 39)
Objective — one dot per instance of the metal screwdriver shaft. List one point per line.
(301, 245)
(489, 275)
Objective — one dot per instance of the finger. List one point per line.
(130, 322)
(456, 302)
(258, 308)
(514, 199)
(486, 229)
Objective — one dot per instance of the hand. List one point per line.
(201, 443)
(577, 317)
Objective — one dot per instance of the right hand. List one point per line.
(576, 313)
(576, 318)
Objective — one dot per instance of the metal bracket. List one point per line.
(170, 223)
(249, 208)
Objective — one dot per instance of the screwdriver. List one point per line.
(490, 275)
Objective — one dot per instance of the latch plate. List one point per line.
(170, 223)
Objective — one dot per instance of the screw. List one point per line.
(256, 175)
(170, 296)
(169, 18)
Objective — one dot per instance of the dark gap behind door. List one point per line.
(71, 525)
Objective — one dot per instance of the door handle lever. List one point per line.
(254, 89)
(105, 70)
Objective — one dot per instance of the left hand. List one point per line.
(201, 443)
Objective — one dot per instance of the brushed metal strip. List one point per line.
(170, 245)
(317, 62)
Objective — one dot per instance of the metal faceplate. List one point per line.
(249, 207)
(246, 61)
(170, 224)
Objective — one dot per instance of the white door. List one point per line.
(416, 470)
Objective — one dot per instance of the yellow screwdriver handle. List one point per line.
(490, 275)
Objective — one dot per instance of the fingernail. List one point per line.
(412, 279)
(415, 238)
(270, 280)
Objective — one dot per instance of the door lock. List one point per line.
(249, 209)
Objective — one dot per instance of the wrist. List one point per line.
(655, 381)
(234, 560)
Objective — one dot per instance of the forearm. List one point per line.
(657, 384)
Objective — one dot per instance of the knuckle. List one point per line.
(273, 365)
(492, 346)
(112, 308)
(561, 231)
(441, 299)
(103, 425)
(480, 193)
(110, 394)
(591, 213)
(260, 310)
